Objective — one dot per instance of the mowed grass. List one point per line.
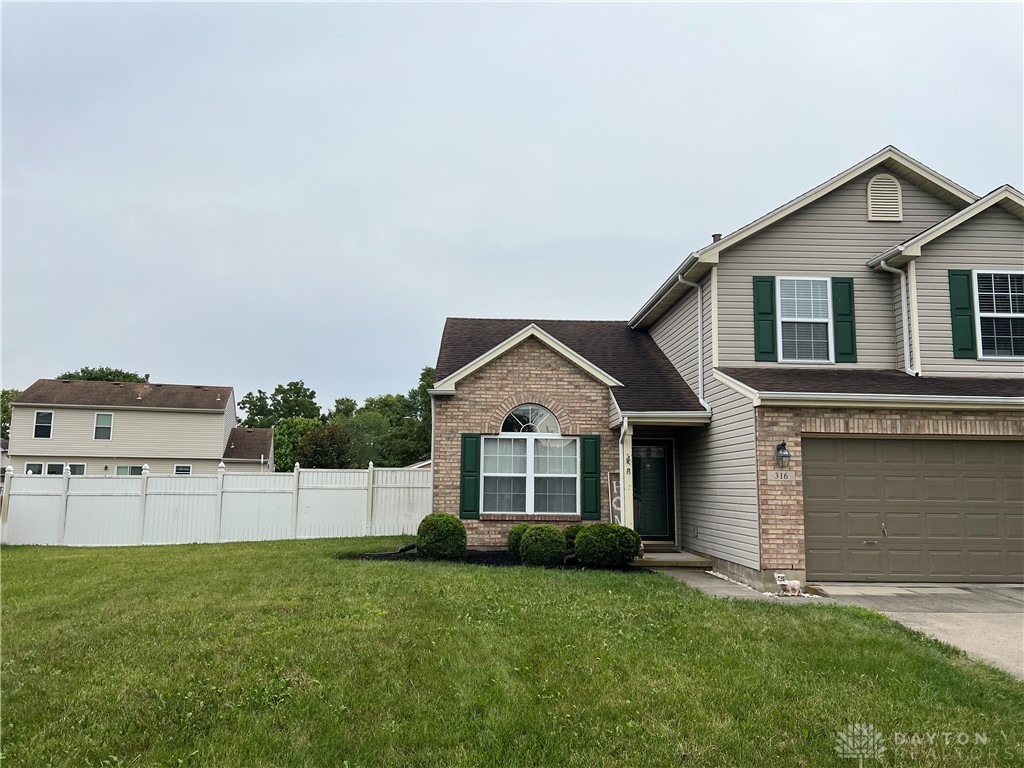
(280, 654)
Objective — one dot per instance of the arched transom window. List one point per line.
(531, 418)
(530, 468)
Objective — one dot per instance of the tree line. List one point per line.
(389, 430)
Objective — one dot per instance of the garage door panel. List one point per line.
(953, 510)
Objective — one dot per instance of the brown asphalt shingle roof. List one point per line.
(857, 381)
(651, 383)
(249, 443)
(113, 394)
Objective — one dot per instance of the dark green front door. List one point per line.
(652, 490)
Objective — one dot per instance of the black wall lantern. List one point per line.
(782, 454)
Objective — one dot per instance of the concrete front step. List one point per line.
(671, 560)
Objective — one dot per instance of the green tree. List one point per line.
(287, 401)
(287, 435)
(103, 373)
(326, 447)
(7, 396)
(343, 406)
(368, 432)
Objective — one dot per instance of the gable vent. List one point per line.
(885, 198)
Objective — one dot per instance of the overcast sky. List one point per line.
(246, 195)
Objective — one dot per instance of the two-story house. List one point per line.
(117, 428)
(834, 390)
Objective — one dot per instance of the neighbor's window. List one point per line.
(804, 317)
(183, 469)
(34, 467)
(133, 469)
(104, 426)
(55, 469)
(1000, 313)
(77, 469)
(44, 425)
(530, 468)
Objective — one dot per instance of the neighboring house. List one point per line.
(834, 390)
(116, 428)
(5, 458)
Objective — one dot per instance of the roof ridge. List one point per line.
(536, 320)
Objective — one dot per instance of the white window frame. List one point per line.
(96, 425)
(779, 319)
(60, 464)
(74, 464)
(978, 313)
(35, 423)
(183, 466)
(30, 464)
(530, 438)
(129, 468)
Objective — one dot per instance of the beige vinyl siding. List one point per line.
(159, 434)
(830, 237)
(107, 465)
(897, 321)
(992, 240)
(230, 421)
(718, 481)
(676, 335)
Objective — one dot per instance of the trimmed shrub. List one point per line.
(515, 536)
(441, 537)
(543, 545)
(570, 536)
(606, 545)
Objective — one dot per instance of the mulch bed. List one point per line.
(499, 558)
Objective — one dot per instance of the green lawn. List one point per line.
(279, 654)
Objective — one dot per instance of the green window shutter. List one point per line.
(590, 481)
(469, 487)
(764, 319)
(844, 333)
(961, 313)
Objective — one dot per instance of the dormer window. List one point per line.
(885, 198)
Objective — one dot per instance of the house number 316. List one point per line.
(782, 474)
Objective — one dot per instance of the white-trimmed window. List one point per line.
(183, 469)
(35, 467)
(530, 468)
(129, 469)
(1000, 302)
(77, 469)
(43, 425)
(55, 468)
(805, 319)
(103, 429)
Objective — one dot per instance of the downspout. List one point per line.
(623, 431)
(908, 354)
(700, 340)
(432, 420)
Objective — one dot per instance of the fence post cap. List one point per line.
(67, 470)
(9, 470)
(296, 465)
(371, 465)
(145, 469)
(221, 467)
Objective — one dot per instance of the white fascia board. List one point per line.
(737, 386)
(667, 417)
(911, 249)
(447, 385)
(829, 399)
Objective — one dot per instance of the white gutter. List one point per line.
(700, 339)
(909, 358)
(665, 287)
(769, 398)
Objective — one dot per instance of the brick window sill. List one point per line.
(520, 518)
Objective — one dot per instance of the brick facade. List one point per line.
(781, 503)
(529, 373)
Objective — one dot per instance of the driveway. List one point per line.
(986, 620)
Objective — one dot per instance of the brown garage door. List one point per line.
(914, 510)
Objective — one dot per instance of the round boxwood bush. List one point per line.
(441, 537)
(542, 545)
(515, 536)
(570, 536)
(606, 545)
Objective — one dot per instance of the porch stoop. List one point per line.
(671, 560)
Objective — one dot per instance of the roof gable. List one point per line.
(1006, 197)
(646, 379)
(249, 444)
(118, 394)
(700, 261)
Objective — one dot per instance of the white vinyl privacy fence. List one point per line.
(95, 511)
